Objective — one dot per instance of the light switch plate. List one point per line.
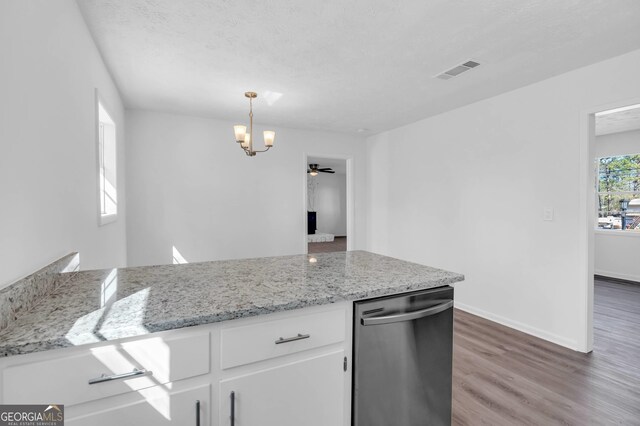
(548, 213)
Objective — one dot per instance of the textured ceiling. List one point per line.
(617, 122)
(346, 65)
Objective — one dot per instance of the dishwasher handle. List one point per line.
(408, 316)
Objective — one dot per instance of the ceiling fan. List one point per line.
(313, 170)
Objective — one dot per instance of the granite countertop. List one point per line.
(103, 305)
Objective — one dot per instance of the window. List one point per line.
(107, 187)
(619, 187)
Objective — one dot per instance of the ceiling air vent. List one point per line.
(456, 71)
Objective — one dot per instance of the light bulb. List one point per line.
(247, 140)
(240, 131)
(269, 136)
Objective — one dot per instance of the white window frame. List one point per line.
(105, 217)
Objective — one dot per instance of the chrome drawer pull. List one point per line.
(135, 373)
(292, 339)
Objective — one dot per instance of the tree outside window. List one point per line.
(619, 179)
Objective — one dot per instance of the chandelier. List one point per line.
(246, 139)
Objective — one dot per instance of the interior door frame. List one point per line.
(587, 217)
(350, 178)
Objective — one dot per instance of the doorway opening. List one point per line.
(327, 204)
(613, 224)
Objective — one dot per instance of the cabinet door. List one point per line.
(153, 407)
(309, 392)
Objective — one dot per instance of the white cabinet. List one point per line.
(306, 392)
(69, 377)
(150, 381)
(155, 406)
(285, 369)
(273, 338)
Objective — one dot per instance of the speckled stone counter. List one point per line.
(104, 305)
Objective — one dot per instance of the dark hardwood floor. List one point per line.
(505, 377)
(338, 244)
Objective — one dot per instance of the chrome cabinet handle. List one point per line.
(233, 408)
(197, 412)
(292, 339)
(135, 373)
(408, 316)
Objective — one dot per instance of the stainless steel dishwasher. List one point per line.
(403, 347)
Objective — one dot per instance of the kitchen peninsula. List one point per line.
(202, 343)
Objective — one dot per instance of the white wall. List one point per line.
(625, 143)
(616, 253)
(192, 187)
(331, 203)
(48, 181)
(466, 190)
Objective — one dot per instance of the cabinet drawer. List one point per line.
(257, 342)
(66, 379)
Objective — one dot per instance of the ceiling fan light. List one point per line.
(240, 132)
(269, 136)
(313, 172)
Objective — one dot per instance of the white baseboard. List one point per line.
(617, 275)
(545, 335)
